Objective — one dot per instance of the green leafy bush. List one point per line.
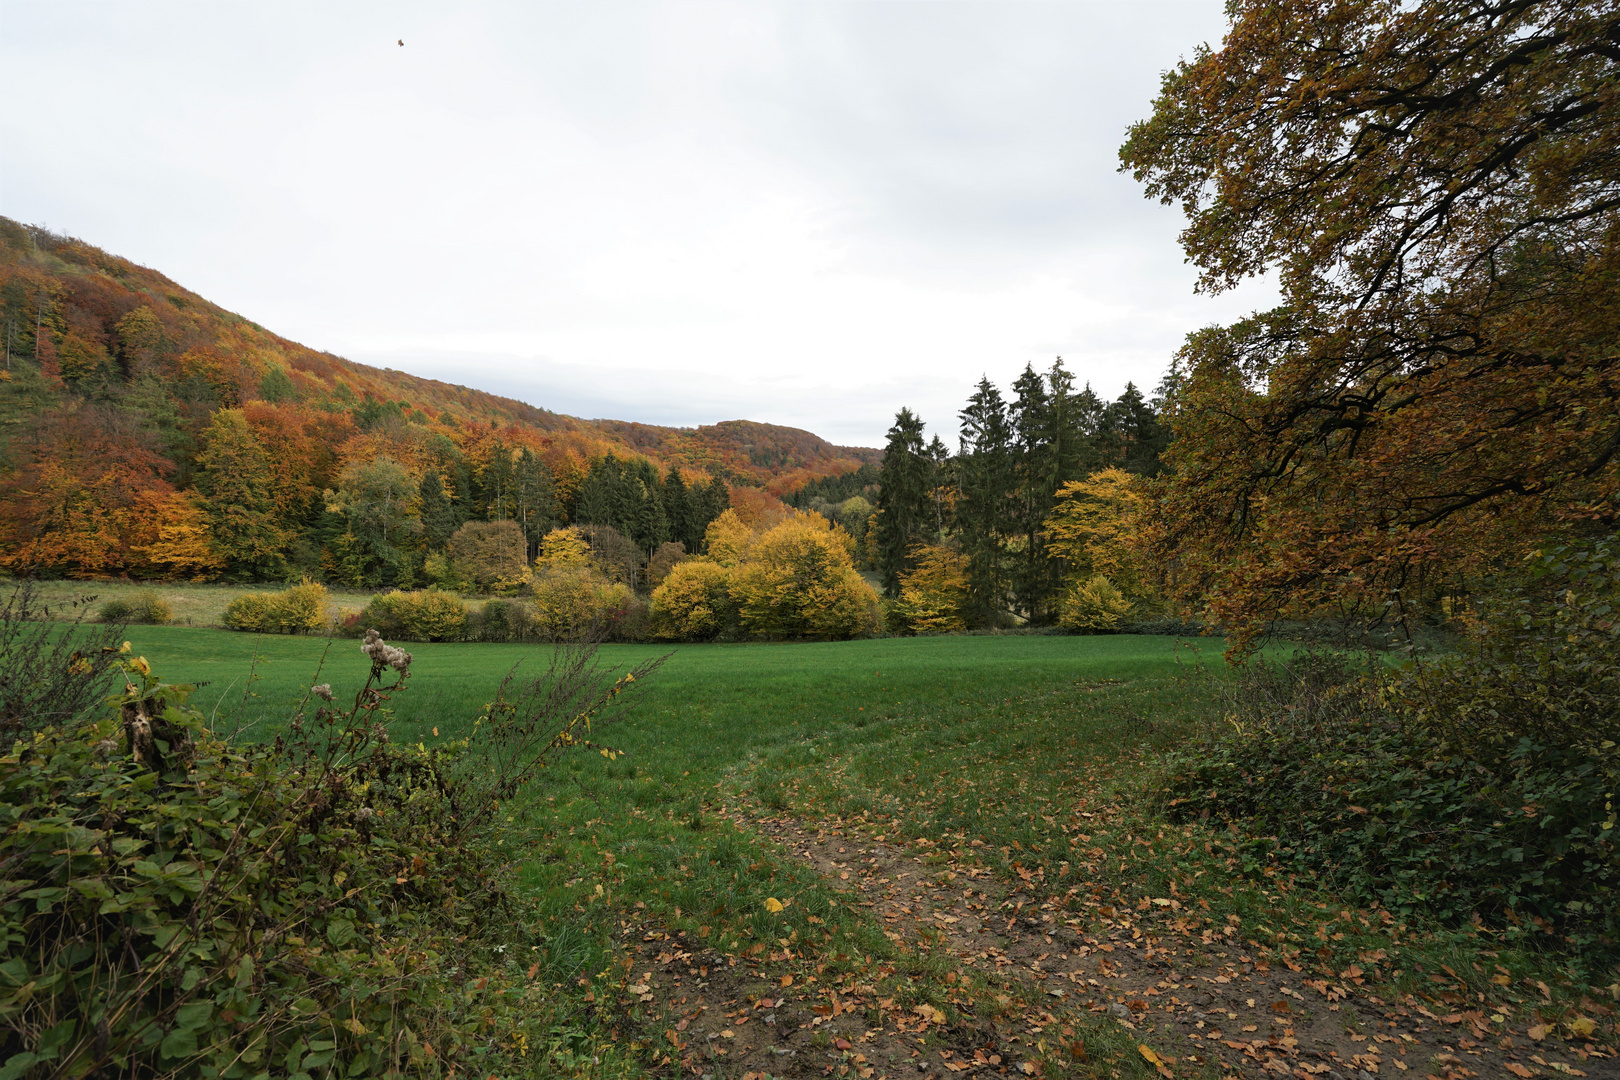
(331, 905)
(300, 609)
(501, 621)
(144, 607)
(424, 615)
(1481, 785)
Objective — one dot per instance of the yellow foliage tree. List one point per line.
(1092, 528)
(799, 581)
(1093, 605)
(728, 539)
(693, 603)
(932, 594)
(182, 547)
(563, 549)
(569, 600)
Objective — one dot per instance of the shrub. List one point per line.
(144, 607)
(569, 599)
(299, 609)
(49, 677)
(493, 554)
(693, 603)
(425, 615)
(501, 620)
(303, 608)
(115, 611)
(1093, 605)
(332, 904)
(251, 612)
(1479, 785)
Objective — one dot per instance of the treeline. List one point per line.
(1000, 531)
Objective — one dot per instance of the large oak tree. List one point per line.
(1436, 188)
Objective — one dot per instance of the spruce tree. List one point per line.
(904, 508)
(536, 493)
(985, 499)
(438, 516)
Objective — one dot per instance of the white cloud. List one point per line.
(805, 213)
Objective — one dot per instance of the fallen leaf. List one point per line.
(639, 988)
(1538, 1032)
(1583, 1026)
(787, 980)
(773, 905)
(1518, 1070)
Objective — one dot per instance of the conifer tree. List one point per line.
(985, 501)
(536, 499)
(236, 480)
(438, 516)
(904, 506)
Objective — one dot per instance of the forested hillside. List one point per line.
(146, 431)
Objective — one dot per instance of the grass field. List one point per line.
(986, 756)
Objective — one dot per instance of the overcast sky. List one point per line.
(805, 213)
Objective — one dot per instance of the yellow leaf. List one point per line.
(1147, 1052)
(1583, 1026)
(773, 905)
(1161, 901)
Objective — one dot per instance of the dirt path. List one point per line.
(1193, 999)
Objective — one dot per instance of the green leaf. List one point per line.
(179, 1043)
(339, 932)
(244, 973)
(16, 1065)
(57, 1036)
(195, 1015)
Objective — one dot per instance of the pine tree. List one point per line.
(904, 506)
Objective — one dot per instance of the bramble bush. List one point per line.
(329, 905)
(1479, 786)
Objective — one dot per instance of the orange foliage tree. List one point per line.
(1436, 187)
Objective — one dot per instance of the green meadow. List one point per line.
(993, 748)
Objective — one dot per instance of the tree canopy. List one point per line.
(1436, 188)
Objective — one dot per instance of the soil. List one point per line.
(1195, 1002)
